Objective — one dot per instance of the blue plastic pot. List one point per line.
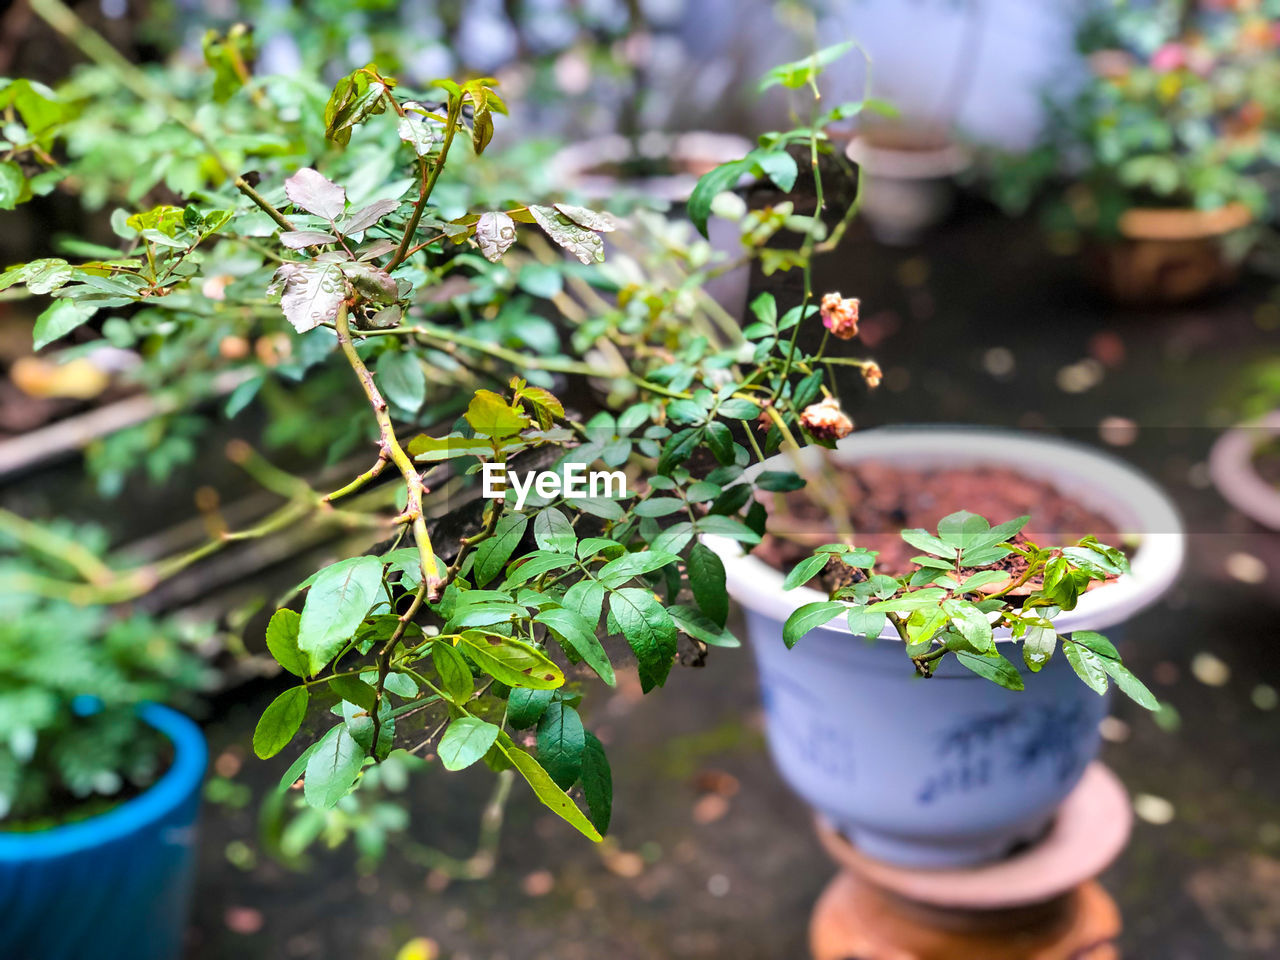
(951, 771)
(114, 887)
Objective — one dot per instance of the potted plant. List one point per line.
(540, 536)
(1165, 147)
(1243, 461)
(953, 770)
(100, 777)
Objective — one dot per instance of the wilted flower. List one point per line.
(872, 373)
(825, 420)
(840, 316)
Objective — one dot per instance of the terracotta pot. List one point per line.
(1168, 255)
(1232, 470)
(596, 169)
(908, 186)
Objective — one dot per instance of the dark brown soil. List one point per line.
(883, 500)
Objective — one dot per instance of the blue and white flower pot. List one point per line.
(115, 886)
(953, 770)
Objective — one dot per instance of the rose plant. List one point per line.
(467, 631)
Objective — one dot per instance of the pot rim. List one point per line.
(897, 163)
(190, 754)
(574, 164)
(1231, 470)
(1183, 223)
(1134, 500)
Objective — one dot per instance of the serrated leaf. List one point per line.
(354, 690)
(591, 219)
(512, 661)
(282, 642)
(465, 741)
(1038, 647)
(629, 565)
(994, 668)
(525, 707)
(337, 601)
(495, 233)
(577, 239)
(648, 629)
(280, 722)
(1088, 666)
(545, 788)
(366, 217)
(701, 627)
(580, 636)
(311, 293)
(493, 553)
(597, 783)
(809, 616)
(424, 134)
(804, 571)
(971, 623)
(561, 738)
(865, 623)
(315, 193)
(455, 675)
(553, 531)
(332, 768)
(707, 581)
(924, 540)
(298, 239)
(1131, 685)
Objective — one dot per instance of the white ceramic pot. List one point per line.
(583, 167)
(1232, 471)
(907, 191)
(952, 770)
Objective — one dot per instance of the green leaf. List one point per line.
(981, 579)
(780, 481)
(586, 597)
(580, 636)
(994, 668)
(525, 707)
(280, 721)
(864, 623)
(738, 409)
(336, 604)
(333, 768)
(282, 641)
(1088, 666)
(491, 416)
(805, 570)
(455, 675)
(963, 529)
(512, 661)
(720, 441)
(630, 565)
(402, 380)
(296, 769)
(727, 527)
(584, 244)
(545, 788)
(1097, 643)
(649, 630)
(1038, 647)
(971, 623)
(799, 72)
(59, 319)
(709, 186)
(659, 507)
(492, 554)
(465, 741)
(354, 690)
(778, 165)
(701, 627)
(707, 581)
(806, 618)
(561, 739)
(540, 280)
(13, 185)
(1131, 685)
(553, 531)
(597, 783)
(924, 540)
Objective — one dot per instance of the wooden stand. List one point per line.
(1041, 904)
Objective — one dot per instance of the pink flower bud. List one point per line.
(872, 373)
(1172, 56)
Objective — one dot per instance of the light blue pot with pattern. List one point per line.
(952, 770)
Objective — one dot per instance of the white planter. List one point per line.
(907, 191)
(952, 770)
(1232, 471)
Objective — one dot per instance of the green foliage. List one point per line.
(953, 606)
(1179, 111)
(71, 679)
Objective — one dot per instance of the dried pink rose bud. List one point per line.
(840, 316)
(825, 420)
(872, 374)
